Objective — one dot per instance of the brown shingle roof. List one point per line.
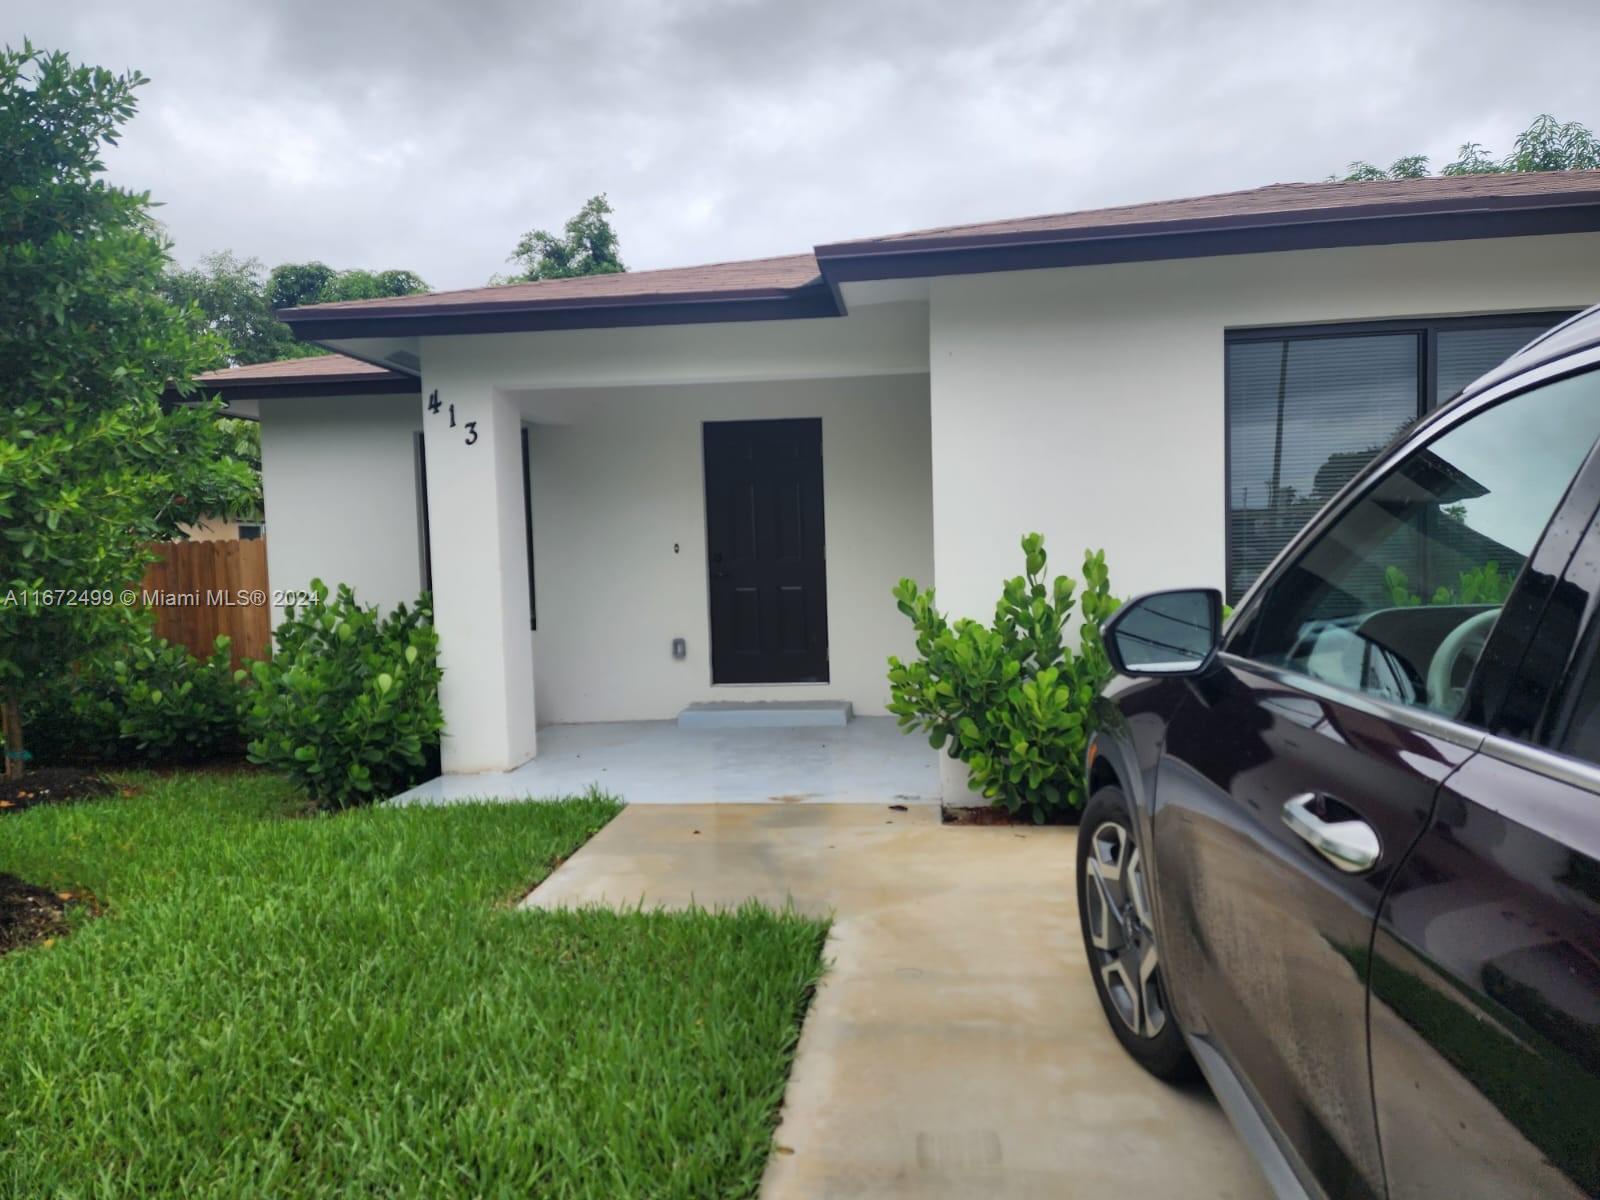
(1291, 201)
(753, 277)
(316, 366)
(333, 373)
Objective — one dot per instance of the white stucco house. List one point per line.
(632, 493)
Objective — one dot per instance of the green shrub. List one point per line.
(73, 720)
(1010, 701)
(138, 698)
(348, 706)
(175, 708)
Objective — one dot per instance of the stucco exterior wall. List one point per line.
(879, 339)
(338, 476)
(1087, 403)
(620, 541)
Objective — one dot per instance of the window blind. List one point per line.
(1304, 416)
(1307, 410)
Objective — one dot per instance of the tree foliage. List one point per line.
(237, 298)
(293, 284)
(93, 463)
(1545, 145)
(587, 245)
(231, 295)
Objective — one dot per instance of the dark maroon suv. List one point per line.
(1342, 855)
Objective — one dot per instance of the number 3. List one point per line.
(472, 432)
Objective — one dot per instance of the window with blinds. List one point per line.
(1307, 408)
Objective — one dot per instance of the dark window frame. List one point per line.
(1425, 329)
(424, 536)
(527, 527)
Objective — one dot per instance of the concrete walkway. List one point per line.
(956, 1047)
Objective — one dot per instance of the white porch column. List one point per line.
(480, 575)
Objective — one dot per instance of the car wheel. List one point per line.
(1119, 938)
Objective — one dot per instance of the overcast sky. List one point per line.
(431, 135)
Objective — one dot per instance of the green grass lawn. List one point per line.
(347, 1006)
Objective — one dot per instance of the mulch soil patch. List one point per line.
(995, 814)
(986, 814)
(30, 914)
(52, 785)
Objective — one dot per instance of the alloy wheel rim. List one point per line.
(1117, 903)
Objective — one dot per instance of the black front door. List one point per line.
(765, 550)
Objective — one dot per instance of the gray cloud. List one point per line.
(429, 136)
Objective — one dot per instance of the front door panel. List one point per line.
(1268, 938)
(1486, 994)
(766, 551)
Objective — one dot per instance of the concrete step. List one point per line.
(765, 714)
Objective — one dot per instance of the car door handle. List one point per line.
(1349, 845)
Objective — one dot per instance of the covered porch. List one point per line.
(715, 514)
(867, 761)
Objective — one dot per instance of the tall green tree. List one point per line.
(1545, 145)
(231, 294)
(293, 284)
(93, 461)
(587, 245)
(238, 296)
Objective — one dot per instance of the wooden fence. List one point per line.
(200, 590)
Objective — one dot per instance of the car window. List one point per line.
(1580, 732)
(1398, 596)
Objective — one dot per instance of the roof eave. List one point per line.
(317, 323)
(230, 390)
(849, 262)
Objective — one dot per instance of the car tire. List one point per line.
(1119, 939)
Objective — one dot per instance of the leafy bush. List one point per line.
(138, 699)
(1013, 701)
(73, 719)
(175, 708)
(348, 706)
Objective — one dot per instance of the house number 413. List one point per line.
(470, 426)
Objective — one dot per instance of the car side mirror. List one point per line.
(1165, 633)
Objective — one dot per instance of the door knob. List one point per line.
(1350, 845)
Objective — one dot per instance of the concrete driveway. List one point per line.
(956, 1047)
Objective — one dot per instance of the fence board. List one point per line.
(202, 590)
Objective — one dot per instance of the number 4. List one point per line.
(433, 401)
